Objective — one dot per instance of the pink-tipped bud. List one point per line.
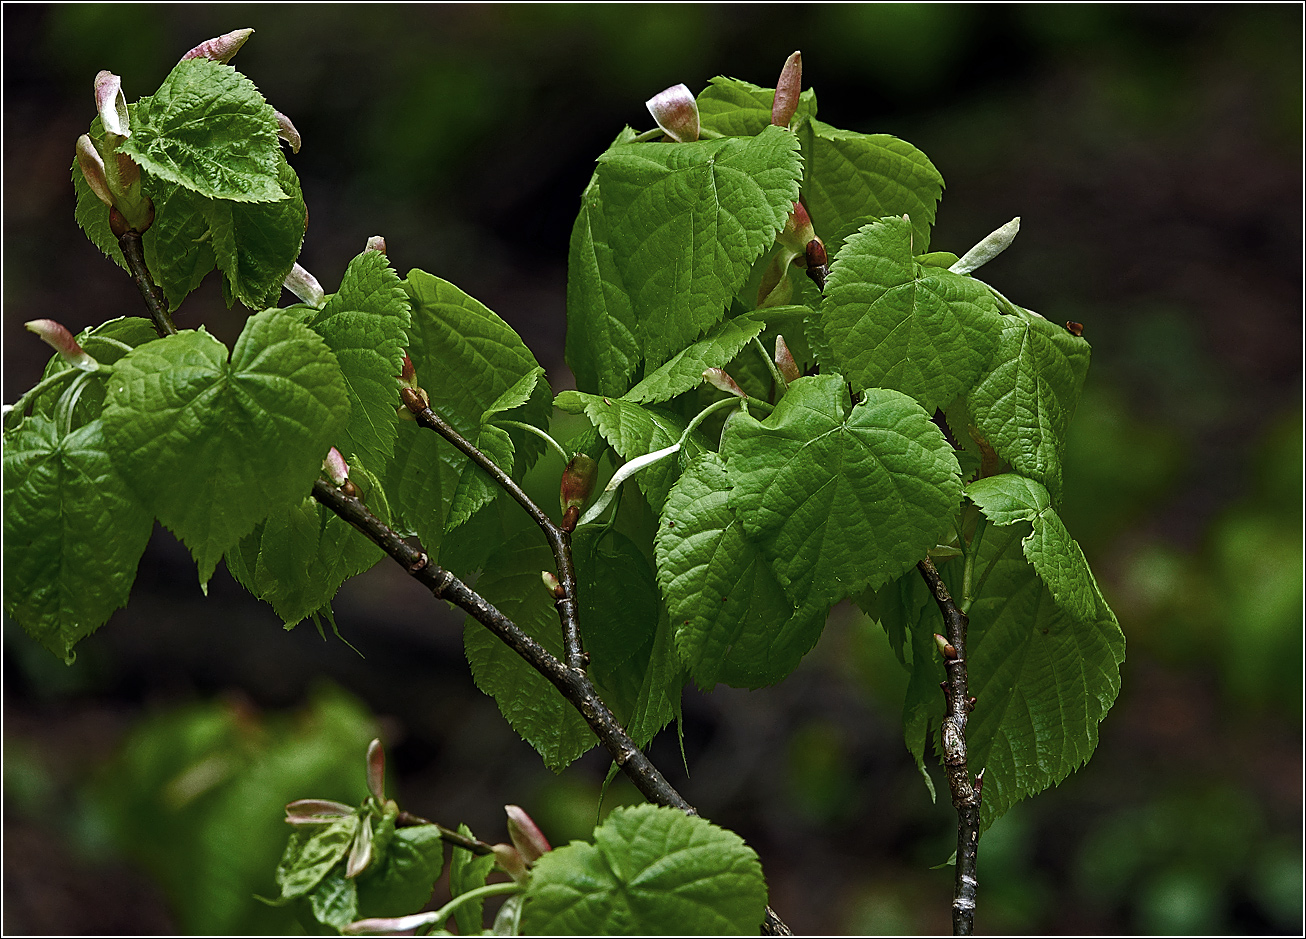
(375, 760)
(676, 112)
(946, 648)
(112, 104)
(287, 132)
(552, 585)
(787, 89)
(316, 811)
(510, 860)
(391, 925)
(376, 243)
(526, 835)
(360, 852)
(57, 337)
(220, 48)
(717, 378)
(337, 471)
(784, 360)
(91, 164)
(798, 232)
(577, 481)
(305, 286)
(408, 374)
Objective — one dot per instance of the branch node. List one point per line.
(419, 563)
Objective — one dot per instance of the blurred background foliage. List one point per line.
(1154, 154)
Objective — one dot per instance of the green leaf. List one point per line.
(366, 325)
(475, 487)
(1043, 680)
(334, 901)
(741, 109)
(684, 370)
(212, 446)
(255, 245)
(73, 532)
(297, 558)
(850, 177)
(653, 871)
(1056, 556)
(420, 481)
(179, 245)
(891, 323)
(840, 500)
(634, 430)
(311, 852)
(467, 872)
(686, 221)
(602, 348)
(400, 881)
(208, 129)
(617, 597)
(1023, 402)
(532, 705)
(732, 618)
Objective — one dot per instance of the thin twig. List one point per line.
(559, 539)
(965, 792)
(134, 253)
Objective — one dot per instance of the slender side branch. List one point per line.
(965, 793)
(573, 683)
(474, 845)
(558, 538)
(134, 253)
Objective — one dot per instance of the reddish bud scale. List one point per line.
(1075, 329)
(569, 519)
(787, 90)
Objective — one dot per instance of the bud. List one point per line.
(375, 762)
(112, 104)
(676, 112)
(815, 253)
(408, 374)
(510, 860)
(220, 48)
(798, 231)
(552, 585)
(577, 481)
(286, 131)
(360, 852)
(337, 471)
(946, 649)
(415, 399)
(526, 835)
(316, 811)
(784, 360)
(91, 164)
(717, 378)
(305, 286)
(393, 925)
(989, 248)
(1075, 329)
(57, 337)
(376, 243)
(787, 89)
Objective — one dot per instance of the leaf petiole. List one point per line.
(539, 433)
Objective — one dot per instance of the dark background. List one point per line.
(1155, 157)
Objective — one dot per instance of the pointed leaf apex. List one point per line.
(112, 104)
(56, 336)
(676, 112)
(787, 89)
(305, 286)
(220, 48)
(375, 758)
